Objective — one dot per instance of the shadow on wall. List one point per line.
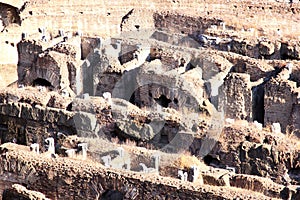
(9, 14)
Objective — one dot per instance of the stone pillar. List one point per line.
(71, 153)
(258, 125)
(236, 94)
(35, 147)
(120, 151)
(156, 160)
(119, 45)
(127, 164)
(61, 33)
(107, 97)
(106, 160)
(185, 175)
(51, 147)
(84, 149)
(144, 167)
(43, 32)
(276, 128)
(223, 24)
(182, 175)
(195, 173)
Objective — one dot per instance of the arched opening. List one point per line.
(210, 160)
(207, 159)
(41, 82)
(163, 101)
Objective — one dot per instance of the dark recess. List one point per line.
(41, 82)
(163, 101)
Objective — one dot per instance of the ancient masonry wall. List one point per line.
(237, 95)
(295, 120)
(278, 102)
(107, 18)
(18, 191)
(27, 124)
(59, 65)
(87, 180)
(94, 17)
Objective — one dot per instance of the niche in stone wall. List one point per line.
(258, 111)
(163, 101)
(40, 82)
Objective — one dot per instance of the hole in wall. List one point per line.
(258, 109)
(42, 82)
(247, 138)
(69, 107)
(175, 101)
(163, 101)
(137, 27)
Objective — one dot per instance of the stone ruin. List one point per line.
(109, 96)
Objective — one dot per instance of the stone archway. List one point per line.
(42, 82)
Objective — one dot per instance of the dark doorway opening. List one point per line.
(210, 160)
(258, 93)
(41, 82)
(163, 101)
